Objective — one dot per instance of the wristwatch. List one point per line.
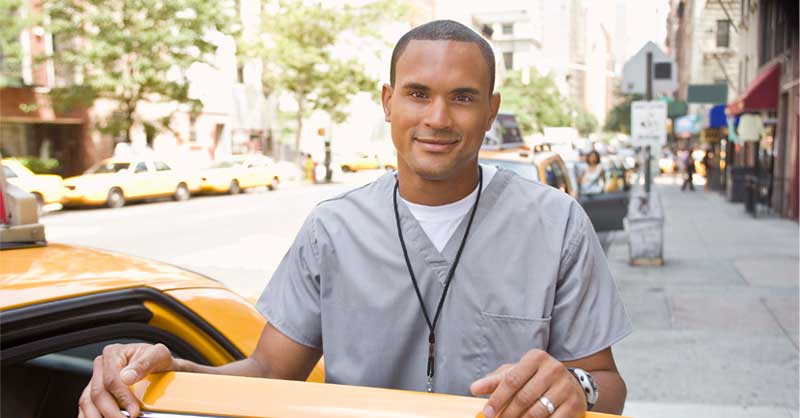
(588, 385)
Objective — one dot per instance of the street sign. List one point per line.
(663, 72)
(649, 122)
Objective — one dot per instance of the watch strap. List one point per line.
(587, 384)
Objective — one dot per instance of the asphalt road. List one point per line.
(238, 240)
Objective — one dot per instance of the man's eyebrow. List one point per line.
(415, 86)
(466, 90)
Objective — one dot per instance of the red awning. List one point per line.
(762, 93)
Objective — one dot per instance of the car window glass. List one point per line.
(50, 384)
(10, 174)
(108, 168)
(141, 168)
(554, 176)
(223, 164)
(161, 166)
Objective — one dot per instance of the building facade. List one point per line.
(769, 82)
(749, 47)
(235, 115)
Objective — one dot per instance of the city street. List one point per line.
(716, 328)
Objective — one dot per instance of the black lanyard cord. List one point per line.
(432, 325)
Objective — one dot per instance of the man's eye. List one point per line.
(463, 98)
(417, 94)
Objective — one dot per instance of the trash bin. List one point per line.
(644, 227)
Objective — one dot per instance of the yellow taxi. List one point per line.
(114, 181)
(46, 188)
(364, 161)
(60, 305)
(239, 173)
(544, 166)
(606, 210)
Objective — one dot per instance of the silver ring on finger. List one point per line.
(547, 404)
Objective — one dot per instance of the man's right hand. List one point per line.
(118, 367)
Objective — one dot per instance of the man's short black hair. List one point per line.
(444, 30)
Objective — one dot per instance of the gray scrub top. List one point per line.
(532, 275)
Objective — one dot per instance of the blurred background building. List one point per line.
(738, 61)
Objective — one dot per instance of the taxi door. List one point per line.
(165, 180)
(139, 180)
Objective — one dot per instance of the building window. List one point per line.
(723, 33)
(508, 59)
(508, 28)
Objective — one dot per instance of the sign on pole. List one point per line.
(664, 74)
(649, 122)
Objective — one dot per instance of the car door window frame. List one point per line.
(32, 331)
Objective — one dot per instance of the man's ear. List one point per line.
(494, 102)
(386, 99)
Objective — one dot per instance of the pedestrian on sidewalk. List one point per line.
(593, 179)
(688, 180)
(419, 281)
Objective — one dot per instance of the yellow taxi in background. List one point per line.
(114, 181)
(46, 188)
(545, 166)
(363, 161)
(606, 210)
(61, 304)
(240, 173)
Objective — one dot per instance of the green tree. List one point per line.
(585, 122)
(15, 17)
(536, 104)
(619, 117)
(299, 53)
(134, 51)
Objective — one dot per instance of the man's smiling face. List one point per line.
(440, 108)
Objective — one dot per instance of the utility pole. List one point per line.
(648, 97)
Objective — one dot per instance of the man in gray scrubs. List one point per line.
(447, 276)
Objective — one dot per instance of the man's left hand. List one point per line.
(516, 389)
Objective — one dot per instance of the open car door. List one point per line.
(606, 210)
(203, 395)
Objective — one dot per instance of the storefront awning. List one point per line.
(761, 94)
(716, 117)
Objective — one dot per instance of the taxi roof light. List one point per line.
(19, 218)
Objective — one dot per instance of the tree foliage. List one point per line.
(134, 51)
(585, 122)
(619, 117)
(15, 16)
(300, 57)
(536, 104)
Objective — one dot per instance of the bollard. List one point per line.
(644, 227)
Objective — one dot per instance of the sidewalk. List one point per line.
(716, 328)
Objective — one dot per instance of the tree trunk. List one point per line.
(299, 120)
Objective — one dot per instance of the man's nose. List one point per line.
(437, 116)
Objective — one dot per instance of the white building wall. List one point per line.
(710, 63)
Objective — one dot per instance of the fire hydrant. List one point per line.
(310, 166)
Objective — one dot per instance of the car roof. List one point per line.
(523, 155)
(35, 275)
